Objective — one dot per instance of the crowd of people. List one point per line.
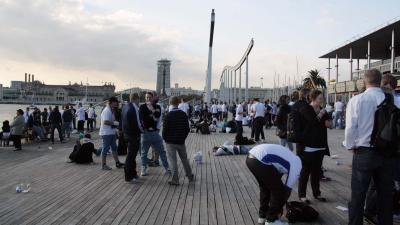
(37, 125)
(301, 121)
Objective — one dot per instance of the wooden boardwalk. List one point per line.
(224, 192)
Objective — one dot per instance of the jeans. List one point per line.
(38, 131)
(67, 128)
(239, 131)
(285, 142)
(273, 193)
(258, 129)
(367, 164)
(311, 165)
(130, 162)
(172, 149)
(109, 141)
(153, 139)
(59, 130)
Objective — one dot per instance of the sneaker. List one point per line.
(105, 167)
(167, 172)
(17, 149)
(305, 200)
(134, 179)
(143, 172)
(261, 220)
(119, 165)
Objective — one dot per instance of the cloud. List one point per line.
(67, 35)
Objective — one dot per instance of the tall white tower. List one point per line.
(209, 67)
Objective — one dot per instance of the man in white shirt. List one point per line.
(259, 111)
(224, 110)
(184, 106)
(367, 162)
(219, 109)
(91, 117)
(239, 122)
(108, 133)
(80, 114)
(214, 110)
(268, 163)
(339, 109)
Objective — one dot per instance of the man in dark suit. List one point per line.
(132, 129)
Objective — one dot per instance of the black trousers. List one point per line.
(239, 130)
(130, 162)
(273, 193)
(74, 123)
(90, 124)
(311, 166)
(59, 130)
(258, 129)
(16, 140)
(81, 124)
(369, 164)
(300, 149)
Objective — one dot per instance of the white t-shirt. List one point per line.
(107, 114)
(239, 109)
(339, 107)
(80, 113)
(397, 100)
(91, 113)
(219, 107)
(259, 109)
(223, 108)
(281, 158)
(184, 107)
(214, 109)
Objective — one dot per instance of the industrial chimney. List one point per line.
(29, 78)
(26, 77)
(33, 77)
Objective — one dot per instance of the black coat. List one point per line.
(282, 119)
(175, 127)
(315, 134)
(130, 125)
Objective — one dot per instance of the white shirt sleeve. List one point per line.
(294, 172)
(350, 132)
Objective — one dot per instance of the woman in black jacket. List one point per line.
(281, 121)
(315, 139)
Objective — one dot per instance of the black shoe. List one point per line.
(119, 165)
(191, 178)
(173, 183)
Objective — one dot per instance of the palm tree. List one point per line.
(314, 80)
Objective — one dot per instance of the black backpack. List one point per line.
(293, 126)
(300, 212)
(385, 135)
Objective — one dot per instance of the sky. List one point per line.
(120, 41)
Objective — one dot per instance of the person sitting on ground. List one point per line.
(268, 163)
(83, 151)
(213, 125)
(5, 133)
(232, 125)
(229, 149)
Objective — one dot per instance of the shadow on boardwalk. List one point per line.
(224, 191)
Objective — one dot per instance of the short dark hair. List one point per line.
(295, 96)
(150, 93)
(113, 99)
(304, 92)
(67, 106)
(389, 79)
(314, 94)
(373, 77)
(20, 112)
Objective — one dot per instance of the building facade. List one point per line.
(163, 76)
(33, 91)
(1, 92)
